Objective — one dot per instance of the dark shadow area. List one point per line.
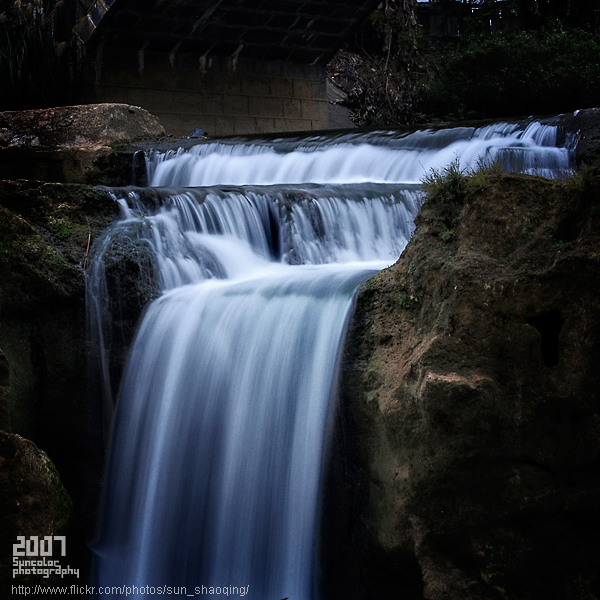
(549, 325)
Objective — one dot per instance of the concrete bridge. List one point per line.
(224, 66)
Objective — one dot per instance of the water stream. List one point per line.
(220, 428)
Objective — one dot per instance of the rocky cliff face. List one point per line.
(46, 394)
(467, 455)
(44, 390)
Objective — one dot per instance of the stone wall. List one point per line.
(219, 96)
(229, 67)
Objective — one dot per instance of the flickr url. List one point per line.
(130, 590)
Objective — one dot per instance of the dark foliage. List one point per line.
(505, 74)
(506, 58)
(34, 56)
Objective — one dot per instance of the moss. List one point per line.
(408, 301)
(373, 375)
(62, 232)
(59, 260)
(371, 284)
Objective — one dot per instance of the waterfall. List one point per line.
(354, 158)
(258, 248)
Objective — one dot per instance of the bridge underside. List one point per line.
(224, 66)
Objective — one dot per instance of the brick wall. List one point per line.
(220, 96)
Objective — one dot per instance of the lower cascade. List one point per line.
(220, 429)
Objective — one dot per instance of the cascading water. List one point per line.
(220, 426)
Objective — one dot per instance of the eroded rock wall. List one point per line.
(51, 415)
(466, 462)
(44, 233)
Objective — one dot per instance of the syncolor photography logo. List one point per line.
(35, 555)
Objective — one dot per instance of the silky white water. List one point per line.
(220, 426)
(377, 158)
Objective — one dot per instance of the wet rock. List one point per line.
(49, 392)
(128, 282)
(586, 125)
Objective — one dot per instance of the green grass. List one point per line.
(454, 184)
(408, 301)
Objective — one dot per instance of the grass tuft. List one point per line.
(453, 184)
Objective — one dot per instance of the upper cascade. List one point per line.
(375, 157)
(190, 228)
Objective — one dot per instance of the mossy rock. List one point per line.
(467, 455)
(33, 502)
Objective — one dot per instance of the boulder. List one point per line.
(34, 504)
(466, 460)
(83, 126)
(73, 144)
(585, 124)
